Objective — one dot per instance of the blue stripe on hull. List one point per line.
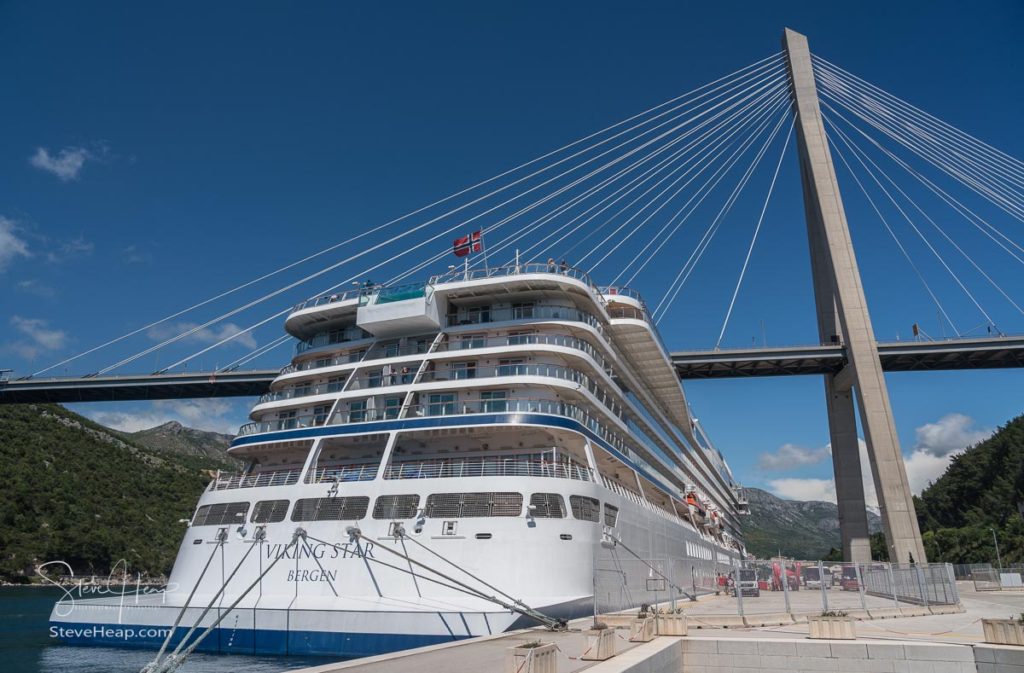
(247, 641)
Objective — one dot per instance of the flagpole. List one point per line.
(487, 270)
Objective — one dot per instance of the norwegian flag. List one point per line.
(472, 243)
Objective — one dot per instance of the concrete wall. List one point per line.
(750, 655)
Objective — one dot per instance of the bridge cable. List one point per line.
(757, 230)
(680, 279)
(626, 189)
(938, 228)
(1010, 166)
(751, 117)
(1007, 178)
(642, 223)
(691, 263)
(757, 67)
(678, 217)
(623, 239)
(995, 194)
(854, 150)
(372, 268)
(892, 233)
(968, 214)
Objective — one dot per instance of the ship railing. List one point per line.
(486, 467)
(457, 275)
(342, 473)
(328, 299)
(229, 480)
(463, 344)
(622, 291)
(454, 407)
(329, 338)
(631, 313)
(482, 317)
(293, 423)
(302, 391)
(471, 343)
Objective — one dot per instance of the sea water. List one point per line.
(26, 647)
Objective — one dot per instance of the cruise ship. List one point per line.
(489, 449)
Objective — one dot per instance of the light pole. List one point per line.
(999, 560)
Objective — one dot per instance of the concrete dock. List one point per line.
(936, 643)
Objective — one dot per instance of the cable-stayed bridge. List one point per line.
(896, 356)
(641, 203)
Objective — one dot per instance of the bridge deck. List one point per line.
(896, 356)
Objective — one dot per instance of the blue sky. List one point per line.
(152, 157)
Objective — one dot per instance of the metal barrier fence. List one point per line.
(766, 587)
(987, 578)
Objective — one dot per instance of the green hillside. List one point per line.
(75, 491)
(983, 489)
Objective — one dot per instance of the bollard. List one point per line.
(821, 584)
(860, 586)
(892, 581)
(785, 586)
(739, 590)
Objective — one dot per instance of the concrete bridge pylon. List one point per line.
(843, 317)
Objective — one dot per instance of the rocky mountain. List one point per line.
(173, 437)
(805, 530)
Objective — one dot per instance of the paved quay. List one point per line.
(935, 643)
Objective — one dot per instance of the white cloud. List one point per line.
(32, 286)
(791, 456)
(206, 335)
(951, 433)
(211, 415)
(11, 246)
(803, 489)
(43, 338)
(937, 444)
(65, 164)
(70, 249)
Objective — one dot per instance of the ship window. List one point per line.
(465, 505)
(611, 515)
(269, 511)
(476, 314)
(547, 506)
(494, 401)
(510, 367)
(520, 338)
(441, 404)
(373, 378)
(520, 311)
(221, 514)
(320, 414)
(391, 349)
(472, 341)
(584, 508)
(391, 406)
(331, 509)
(463, 370)
(356, 355)
(396, 506)
(357, 411)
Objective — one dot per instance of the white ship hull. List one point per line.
(294, 609)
